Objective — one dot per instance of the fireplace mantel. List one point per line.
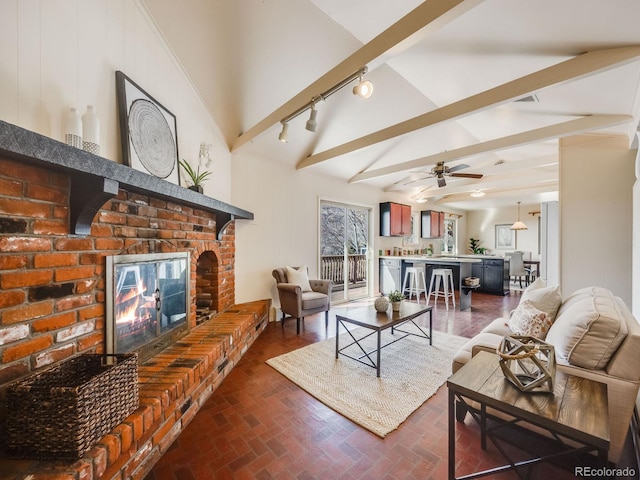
(95, 180)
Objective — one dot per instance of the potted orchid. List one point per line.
(195, 177)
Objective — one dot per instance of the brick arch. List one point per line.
(206, 278)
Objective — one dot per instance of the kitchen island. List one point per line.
(392, 271)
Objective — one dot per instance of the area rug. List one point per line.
(411, 372)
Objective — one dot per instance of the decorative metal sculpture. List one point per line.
(528, 363)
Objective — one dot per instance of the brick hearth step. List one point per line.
(174, 385)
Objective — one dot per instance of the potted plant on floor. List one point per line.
(396, 298)
(195, 177)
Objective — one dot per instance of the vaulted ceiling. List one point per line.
(490, 84)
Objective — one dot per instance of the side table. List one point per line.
(577, 410)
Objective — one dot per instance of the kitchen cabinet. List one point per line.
(395, 219)
(493, 274)
(432, 224)
(390, 274)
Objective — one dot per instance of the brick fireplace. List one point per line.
(62, 212)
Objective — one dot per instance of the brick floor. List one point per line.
(259, 425)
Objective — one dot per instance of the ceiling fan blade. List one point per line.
(467, 175)
(458, 167)
(441, 182)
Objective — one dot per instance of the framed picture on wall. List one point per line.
(505, 237)
(148, 132)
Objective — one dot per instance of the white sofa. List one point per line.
(594, 336)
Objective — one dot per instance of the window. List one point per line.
(450, 236)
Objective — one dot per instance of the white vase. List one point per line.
(381, 304)
(72, 127)
(91, 131)
(395, 306)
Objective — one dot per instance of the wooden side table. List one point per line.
(577, 410)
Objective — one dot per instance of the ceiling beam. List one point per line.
(396, 36)
(564, 129)
(581, 66)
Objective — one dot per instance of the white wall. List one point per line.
(481, 225)
(285, 231)
(597, 173)
(285, 203)
(59, 54)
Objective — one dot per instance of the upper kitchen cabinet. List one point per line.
(432, 224)
(395, 219)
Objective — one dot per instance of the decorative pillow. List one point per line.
(589, 329)
(528, 320)
(546, 299)
(299, 277)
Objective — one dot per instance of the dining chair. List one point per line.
(516, 267)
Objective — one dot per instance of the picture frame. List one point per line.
(505, 237)
(148, 132)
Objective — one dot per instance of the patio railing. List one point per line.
(332, 268)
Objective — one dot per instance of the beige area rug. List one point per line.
(411, 372)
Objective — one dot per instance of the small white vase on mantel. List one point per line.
(91, 131)
(72, 126)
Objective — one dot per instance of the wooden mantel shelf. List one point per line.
(95, 180)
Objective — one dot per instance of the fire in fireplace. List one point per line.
(147, 302)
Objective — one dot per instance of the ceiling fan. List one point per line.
(441, 170)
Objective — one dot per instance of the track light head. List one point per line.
(312, 124)
(363, 89)
(284, 134)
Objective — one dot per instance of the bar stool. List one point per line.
(444, 275)
(414, 275)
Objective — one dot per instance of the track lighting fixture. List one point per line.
(284, 134)
(363, 89)
(312, 124)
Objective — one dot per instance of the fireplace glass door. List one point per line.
(148, 295)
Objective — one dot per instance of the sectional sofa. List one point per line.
(594, 334)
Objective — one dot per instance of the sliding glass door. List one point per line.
(344, 249)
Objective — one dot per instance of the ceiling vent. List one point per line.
(529, 98)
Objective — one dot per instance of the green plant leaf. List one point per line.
(195, 176)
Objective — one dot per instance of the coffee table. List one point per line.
(577, 410)
(367, 317)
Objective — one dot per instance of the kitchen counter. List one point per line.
(434, 259)
(393, 268)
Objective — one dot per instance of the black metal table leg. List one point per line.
(452, 436)
(378, 353)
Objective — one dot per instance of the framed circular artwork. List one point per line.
(148, 131)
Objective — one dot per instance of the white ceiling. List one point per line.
(256, 61)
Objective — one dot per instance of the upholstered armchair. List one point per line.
(300, 296)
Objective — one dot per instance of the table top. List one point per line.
(578, 407)
(367, 316)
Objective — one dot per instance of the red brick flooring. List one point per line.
(259, 425)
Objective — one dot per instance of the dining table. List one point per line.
(532, 273)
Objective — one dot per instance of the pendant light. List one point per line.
(519, 225)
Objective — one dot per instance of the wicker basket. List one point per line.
(472, 281)
(64, 410)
